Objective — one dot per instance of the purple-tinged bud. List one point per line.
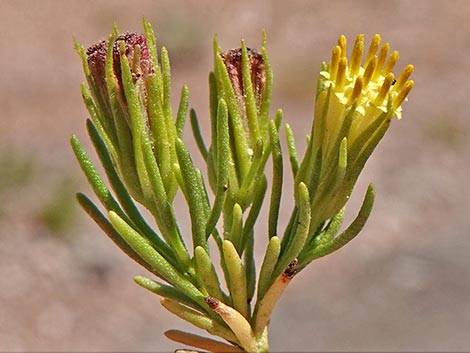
(111, 97)
(136, 51)
(96, 58)
(233, 63)
(143, 67)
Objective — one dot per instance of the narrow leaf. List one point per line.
(108, 229)
(292, 149)
(182, 111)
(206, 269)
(165, 291)
(124, 198)
(299, 239)
(265, 104)
(345, 237)
(198, 319)
(250, 102)
(276, 190)
(98, 185)
(237, 278)
(269, 262)
(207, 344)
(193, 194)
(155, 260)
(197, 134)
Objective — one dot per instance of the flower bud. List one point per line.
(134, 116)
(96, 58)
(242, 81)
(233, 63)
(135, 48)
(133, 127)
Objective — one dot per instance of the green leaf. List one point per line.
(299, 239)
(266, 103)
(124, 198)
(163, 212)
(237, 282)
(206, 270)
(97, 184)
(197, 134)
(355, 166)
(102, 106)
(97, 120)
(326, 235)
(326, 199)
(292, 149)
(198, 319)
(194, 196)
(161, 267)
(346, 236)
(331, 160)
(235, 235)
(182, 111)
(244, 194)
(125, 160)
(277, 180)
(140, 139)
(213, 108)
(260, 192)
(223, 161)
(271, 257)
(108, 229)
(158, 127)
(260, 158)
(240, 147)
(250, 103)
(165, 291)
(250, 268)
(152, 47)
(369, 137)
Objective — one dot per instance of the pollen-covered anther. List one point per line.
(358, 86)
(390, 63)
(341, 75)
(370, 69)
(342, 45)
(356, 56)
(401, 80)
(383, 92)
(398, 100)
(374, 45)
(381, 61)
(335, 57)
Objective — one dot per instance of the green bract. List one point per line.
(138, 140)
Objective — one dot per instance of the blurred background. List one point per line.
(402, 285)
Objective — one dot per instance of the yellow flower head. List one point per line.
(356, 100)
(366, 88)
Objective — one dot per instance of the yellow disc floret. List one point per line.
(368, 86)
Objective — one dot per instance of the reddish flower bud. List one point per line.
(139, 59)
(136, 51)
(233, 63)
(96, 58)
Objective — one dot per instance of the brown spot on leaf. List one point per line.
(212, 302)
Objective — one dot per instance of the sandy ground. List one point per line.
(402, 285)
